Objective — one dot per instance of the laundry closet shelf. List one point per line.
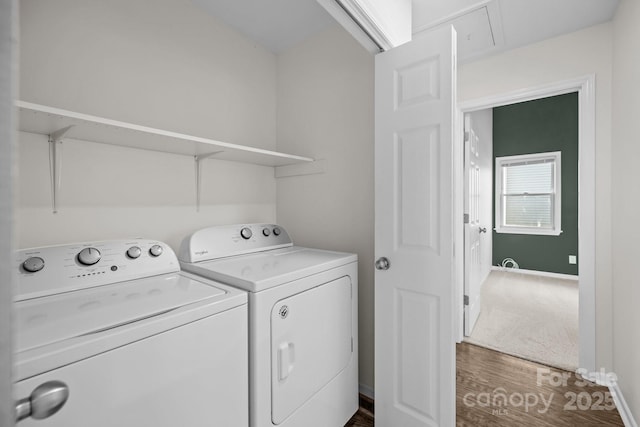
(46, 120)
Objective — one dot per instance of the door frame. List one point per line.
(8, 78)
(585, 87)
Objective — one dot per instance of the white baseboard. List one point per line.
(535, 273)
(367, 391)
(621, 405)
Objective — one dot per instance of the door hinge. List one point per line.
(466, 218)
(466, 136)
(465, 300)
(351, 344)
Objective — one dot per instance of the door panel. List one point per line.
(414, 304)
(417, 216)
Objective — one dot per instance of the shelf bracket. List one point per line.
(198, 165)
(300, 169)
(55, 163)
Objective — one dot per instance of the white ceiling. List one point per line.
(484, 27)
(275, 24)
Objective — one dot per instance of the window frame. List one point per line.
(556, 157)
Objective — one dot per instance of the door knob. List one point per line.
(482, 230)
(44, 401)
(382, 264)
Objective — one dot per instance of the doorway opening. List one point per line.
(583, 88)
(521, 230)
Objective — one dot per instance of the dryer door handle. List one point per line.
(286, 359)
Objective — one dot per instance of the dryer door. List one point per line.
(311, 343)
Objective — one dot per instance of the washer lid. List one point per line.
(258, 271)
(46, 320)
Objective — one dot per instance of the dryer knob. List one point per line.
(155, 251)
(276, 231)
(134, 252)
(246, 233)
(266, 232)
(89, 256)
(33, 264)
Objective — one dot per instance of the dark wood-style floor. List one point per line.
(534, 395)
(361, 419)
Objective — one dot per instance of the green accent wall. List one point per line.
(543, 125)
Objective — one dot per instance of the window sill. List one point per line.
(529, 231)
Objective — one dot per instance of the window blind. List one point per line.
(528, 193)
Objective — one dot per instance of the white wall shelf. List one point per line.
(59, 124)
(46, 120)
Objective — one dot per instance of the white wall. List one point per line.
(114, 192)
(482, 123)
(325, 110)
(584, 52)
(159, 63)
(626, 202)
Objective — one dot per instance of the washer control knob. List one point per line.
(134, 252)
(155, 251)
(266, 232)
(246, 233)
(276, 231)
(33, 264)
(89, 256)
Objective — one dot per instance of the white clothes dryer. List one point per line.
(114, 334)
(303, 327)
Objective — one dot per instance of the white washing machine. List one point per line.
(114, 334)
(303, 330)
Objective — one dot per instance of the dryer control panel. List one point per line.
(57, 269)
(230, 240)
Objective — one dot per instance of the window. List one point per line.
(528, 194)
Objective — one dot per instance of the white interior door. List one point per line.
(472, 227)
(414, 304)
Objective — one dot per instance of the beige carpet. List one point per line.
(532, 317)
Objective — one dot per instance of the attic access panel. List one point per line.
(475, 34)
(479, 30)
